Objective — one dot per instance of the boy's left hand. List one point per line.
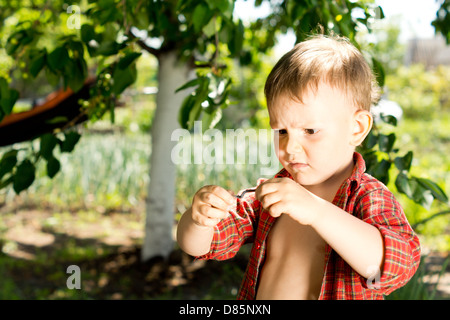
(283, 195)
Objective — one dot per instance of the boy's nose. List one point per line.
(293, 146)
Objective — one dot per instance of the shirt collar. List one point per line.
(358, 169)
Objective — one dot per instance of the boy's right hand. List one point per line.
(210, 205)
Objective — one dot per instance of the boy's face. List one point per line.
(315, 137)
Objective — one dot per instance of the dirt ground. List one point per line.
(38, 246)
(112, 268)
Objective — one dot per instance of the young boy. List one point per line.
(321, 228)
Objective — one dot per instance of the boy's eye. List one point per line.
(311, 131)
(281, 131)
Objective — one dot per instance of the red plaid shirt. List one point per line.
(360, 195)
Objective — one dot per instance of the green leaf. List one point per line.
(389, 119)
(58, 119)
(371, 159)
(24, 176)
(235, 45)
(71, 139)
(12, 44)
(52, 77)
(386, 143)
(123, 78)
(128, 59)
(194, 114)
(437, 192)
(77, 49)
(421, 195)
(107, 48)
(380, 13)
(211, 118)
(88, 33)
(371, 140)
(53, 167)
(224, 6)
(112, 113)
(37, 63)
(8, 97)
(183, 115)
(8, 162)
(403, 185)
(58, 58)
(381, 171)
(246, 58)
(200, 16)
(75, 73)
(210, 29)
(124, 73)
(404, 163)
(17, 39)
(192, 83)
(47, 144)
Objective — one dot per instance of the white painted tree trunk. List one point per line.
(158, 240)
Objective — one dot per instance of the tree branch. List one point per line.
(143, 45)
(441, 213)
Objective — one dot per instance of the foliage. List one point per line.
(25, 168)
(8, 98)
(421, 93)
(109, 36)
(105, 170)
(65, 39)
(247, 44)
(442, 21)
(380, 155)
(383, 43)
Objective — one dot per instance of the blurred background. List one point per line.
(92, 213)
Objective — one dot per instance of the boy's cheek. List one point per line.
(280, 152)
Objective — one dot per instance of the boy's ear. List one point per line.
(362, 121)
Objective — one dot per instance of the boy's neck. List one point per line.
(328, 188)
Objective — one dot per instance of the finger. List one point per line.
(207, 216)
(265, 188)
(211, 212)
(222, 193)
(214, 200)
(205, 222)
(276, 209)
(269, 199)
(231, 193)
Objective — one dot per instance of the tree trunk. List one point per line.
(160, 208)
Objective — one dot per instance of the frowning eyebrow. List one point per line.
(275, 124)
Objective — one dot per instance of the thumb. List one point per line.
(231, 192)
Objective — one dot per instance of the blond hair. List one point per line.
(330, 59)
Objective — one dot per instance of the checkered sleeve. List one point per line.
(379, 208)
(235, 230)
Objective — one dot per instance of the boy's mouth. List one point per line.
(298, 165)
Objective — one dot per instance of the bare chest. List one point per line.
(294, 264)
